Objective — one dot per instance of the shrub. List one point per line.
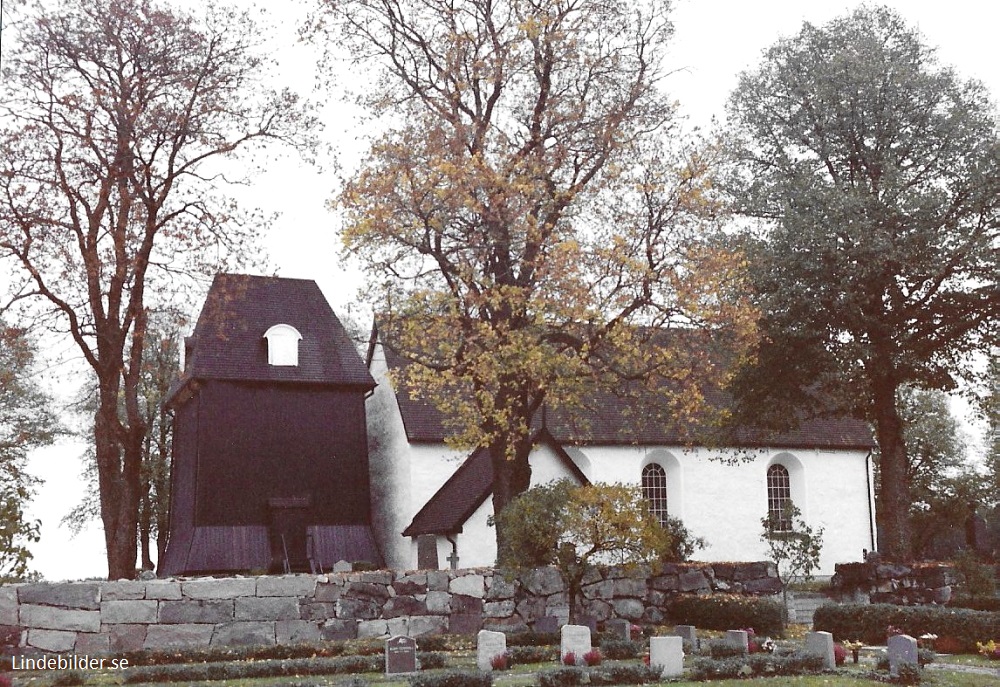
(453, 678)
(569, 659)
(868, 622)
(533, 639)
(500, 662)
(532, 654)
(757, 665)
(719, 648)
(618, 649)
(726, 611)
(447, 642)
(429, 660)
(592, 657)
(839, 654)
(624, 675)
(563, 677)
(243, 670)
(907, 674)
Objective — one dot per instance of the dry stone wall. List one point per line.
(128, 615)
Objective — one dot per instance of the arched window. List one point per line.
(654, 490)
(779, 495)
(283, 345)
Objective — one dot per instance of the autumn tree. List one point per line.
(576, 528)
(119, 117)
(875, 173)
(521, 216)
(26, 422)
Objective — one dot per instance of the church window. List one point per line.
(779, 495)
(654, 490)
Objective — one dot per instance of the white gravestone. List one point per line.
(821, 644)
(575, 639)
(902, 649)
(666, 654)
(740, 638)
(489, 645)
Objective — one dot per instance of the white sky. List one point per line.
(714, 41)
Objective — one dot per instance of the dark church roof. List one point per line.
(610, 419)
(228, 342)
(468, 488)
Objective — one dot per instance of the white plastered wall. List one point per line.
(720, 495)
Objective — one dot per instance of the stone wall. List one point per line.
(876, 582)
(126, 615)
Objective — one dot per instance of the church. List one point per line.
(291, 452)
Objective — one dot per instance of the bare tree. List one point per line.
(118, 117)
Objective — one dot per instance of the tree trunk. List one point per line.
(894, 497)
(119, 457)
(510, 477)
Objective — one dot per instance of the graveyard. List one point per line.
(620, 653)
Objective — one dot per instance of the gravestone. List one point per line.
(667, 655)
(489, 645)
(590, 621)
(618, 628)
(342, 567)
(400, 655)
(576, 639)
(902, 649)
(740, 638)
(688, 633)
(548, 624)
(821, 644)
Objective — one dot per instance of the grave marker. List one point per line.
(740, 638)
(548, 624)
(619, 629)
(689, 634)
(576, 639)
(400, 655)
(667, 654)
(489, 645)
(821, 644)
(902, 649)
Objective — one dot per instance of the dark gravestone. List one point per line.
(548, 624)
(618, 628)
(588, 621)
(400, 655)
(427, 552)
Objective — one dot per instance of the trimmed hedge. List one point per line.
(520, 655)
(868, 622)
(617, 649)
(453, 678)
(756, 665)
(729, 611)
(254, 669)
(605, 675)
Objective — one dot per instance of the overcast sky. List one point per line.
(714, 41)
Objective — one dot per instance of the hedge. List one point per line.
(254, 669)
(453, 678)
(756, 665)
(729, 612)
(605, 675)
(869, 622)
